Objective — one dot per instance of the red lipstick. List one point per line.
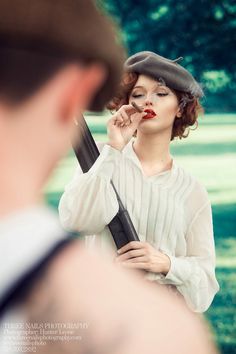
(150, 114)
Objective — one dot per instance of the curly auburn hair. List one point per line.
(190, 106)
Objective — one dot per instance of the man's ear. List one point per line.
(74, 87)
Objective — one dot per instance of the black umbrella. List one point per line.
(121, 226)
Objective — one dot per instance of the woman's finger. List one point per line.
(141, 259)
(116, 118)
(128, 109)
(127, 117)
(130, 254)
(131, 245)
(120, 117)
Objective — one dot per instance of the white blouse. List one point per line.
(170, 210)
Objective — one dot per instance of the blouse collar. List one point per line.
(161, 177)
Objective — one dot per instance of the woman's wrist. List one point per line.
(116, 145)
(166, 265)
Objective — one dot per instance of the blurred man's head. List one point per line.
(38, 37)
(57, 58)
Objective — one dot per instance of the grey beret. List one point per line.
(72, 29)
(163, 69)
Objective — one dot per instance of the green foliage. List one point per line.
(216, 80)
(203, 32)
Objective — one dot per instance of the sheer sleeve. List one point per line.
(194, 274)
(89, 202)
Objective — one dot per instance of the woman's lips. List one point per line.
(150, 114)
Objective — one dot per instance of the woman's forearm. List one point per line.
(89, 202)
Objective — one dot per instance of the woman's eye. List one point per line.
(136, 95)
(162, 94)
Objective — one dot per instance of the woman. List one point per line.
(169, 208)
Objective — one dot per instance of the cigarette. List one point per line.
(138, 108)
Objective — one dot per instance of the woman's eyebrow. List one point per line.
(161, 87)
(156, 86)
(138, 87)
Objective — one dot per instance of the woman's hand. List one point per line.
(122, 125)
(141, 255)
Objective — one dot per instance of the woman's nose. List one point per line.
(149, 99)
(148, 102)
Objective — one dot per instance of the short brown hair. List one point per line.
(190, 106)
(39, 37)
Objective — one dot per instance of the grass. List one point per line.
(210, 154)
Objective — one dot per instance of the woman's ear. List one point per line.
(179, 112)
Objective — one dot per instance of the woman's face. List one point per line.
(160, 103)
